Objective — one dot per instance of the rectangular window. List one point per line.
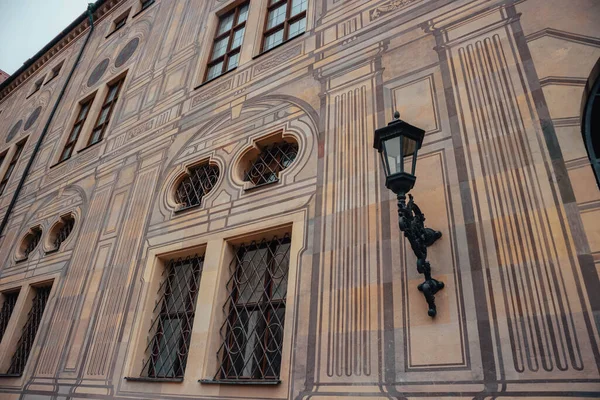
(34, 318)
(8, 305)
(285, 20)
(146, 4)
(11, 166)
(171, 329)
(84, 110)
(225, 52)
(120, 22)
(55, 72)
(253, 330)
(106, 112)
(36, 86)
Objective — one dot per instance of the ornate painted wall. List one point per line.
(499, 86)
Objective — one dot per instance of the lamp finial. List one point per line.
(396, 115)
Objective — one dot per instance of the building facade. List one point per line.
(193, 207)
(3, 76)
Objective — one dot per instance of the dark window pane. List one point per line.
(171, 330)
(34, 318)
(271, 161)
(196, 185)
(8, 305)
(253, 330)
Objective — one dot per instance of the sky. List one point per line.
(26, 26)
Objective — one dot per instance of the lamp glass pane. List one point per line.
(408, 146)
(393, 155)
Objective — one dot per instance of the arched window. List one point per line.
(198, 182)
(61, 231)
(591, 127)
(271, 160)
(29, 243)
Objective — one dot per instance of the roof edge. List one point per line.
(31, 61)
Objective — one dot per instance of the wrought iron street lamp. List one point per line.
(397, 143)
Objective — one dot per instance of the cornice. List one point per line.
(54, 47)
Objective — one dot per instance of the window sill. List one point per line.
(143, 9)
(278, 46)
(158, 380)
(89, 146)
(186, 208)
(60, 162)
(215, 78)
(257, 382)
(114, 31)
(11, 375)
(50, 80)
(52, 251)
(262, 185)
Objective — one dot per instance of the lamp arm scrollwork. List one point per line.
(412, 222)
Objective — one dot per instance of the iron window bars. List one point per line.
(84, 110)
(106, 112)
(11, 166)
(34, 318)
(285, 20)
(10, 300)
(33, 239)
(252, 333)
(171, 329)
(64, 231)
(270, 162)
(197, 184)
(225, 52)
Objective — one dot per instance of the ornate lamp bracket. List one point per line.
(412, 222)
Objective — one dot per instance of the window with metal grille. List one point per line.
(253, 329)
(84, 110)
(271, 160)
(225, 52)
(34, 318)
(8, 305)
(198, 183)
(63, 230)
(285, 20)
(106, 112)
(171, 329)
(31, 241)
(11, 166)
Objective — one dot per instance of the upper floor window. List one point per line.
(255, 311)
(55, 71)
(285, 20)
(106, 112)
(27, 339)
(82, 115)
(171, 329)
(199, 181)
(120, 22)
(225, 52)
(11, 166)
(271, 160)
(146, 4)
(62, 231)
(36, 86)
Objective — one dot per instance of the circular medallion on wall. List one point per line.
(127, 52)
(13, 132)
(98, 72)
(33, 117)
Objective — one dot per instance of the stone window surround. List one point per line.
(251, 48)
(98, 95)
(218, 253)
(19, 318)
